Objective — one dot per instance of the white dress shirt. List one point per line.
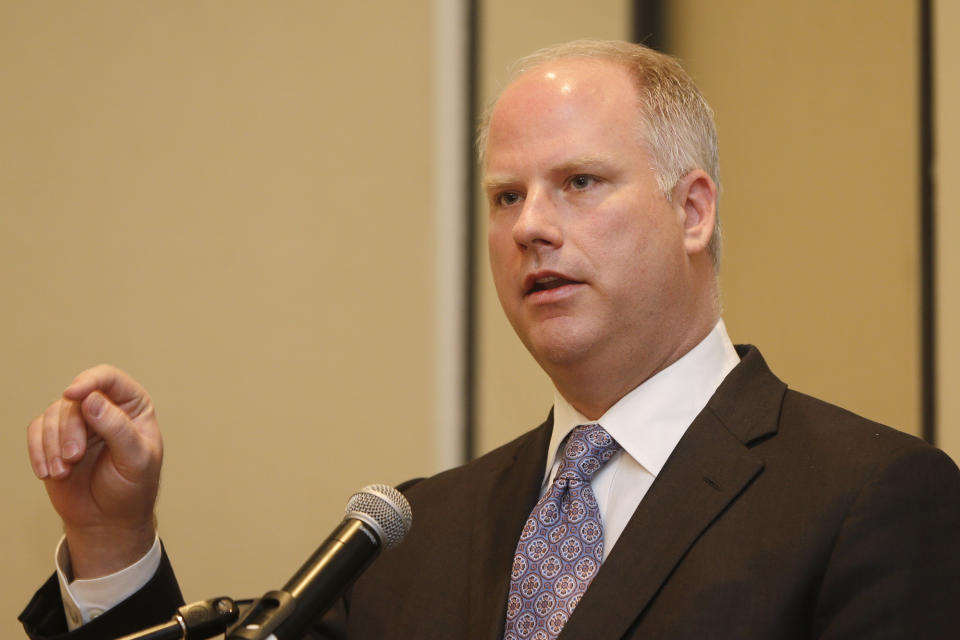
(647, 422)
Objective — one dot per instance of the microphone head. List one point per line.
(384, 509)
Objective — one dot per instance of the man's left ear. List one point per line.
(695, 197)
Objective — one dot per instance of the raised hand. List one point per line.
(98, 450)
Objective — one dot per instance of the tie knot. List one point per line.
(588, 448)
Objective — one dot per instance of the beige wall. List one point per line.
(513, 393)
(946, 39)
(817, 110)
(232, 201)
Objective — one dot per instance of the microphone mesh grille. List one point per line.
(388, 509)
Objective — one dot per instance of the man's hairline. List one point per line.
(642, 124)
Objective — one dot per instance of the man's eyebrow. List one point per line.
(496, 183)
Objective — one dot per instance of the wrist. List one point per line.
(101, 551)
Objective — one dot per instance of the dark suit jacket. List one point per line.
(777, 516)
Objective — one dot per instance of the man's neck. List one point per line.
(593, 386)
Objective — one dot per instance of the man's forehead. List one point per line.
(564, 101)
(566, 78)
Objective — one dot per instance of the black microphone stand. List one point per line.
(203, 619)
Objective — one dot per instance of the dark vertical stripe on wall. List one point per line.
(648, 23)
(928, 302)
(471, 292)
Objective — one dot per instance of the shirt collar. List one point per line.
(650, 420)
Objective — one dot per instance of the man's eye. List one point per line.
(508, 198)
(581, 181)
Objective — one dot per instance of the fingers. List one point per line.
(116, 385)
(50, 430)
(35, 448)
(101, 402)
(56, 440)
(73, 432)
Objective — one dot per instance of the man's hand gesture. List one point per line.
(98, 450)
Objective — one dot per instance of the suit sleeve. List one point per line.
(894, 571)
(44, 618)
(155, 603)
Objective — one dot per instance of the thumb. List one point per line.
(111, 423)
(118, 387)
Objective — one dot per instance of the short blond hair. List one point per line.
(677, 124)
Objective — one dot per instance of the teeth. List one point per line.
(547, 279)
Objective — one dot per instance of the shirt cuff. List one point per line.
(84, 600)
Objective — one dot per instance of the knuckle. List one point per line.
(115, 415)
(103, 367)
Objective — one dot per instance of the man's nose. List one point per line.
(538, 224)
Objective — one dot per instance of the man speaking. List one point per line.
(678, 489)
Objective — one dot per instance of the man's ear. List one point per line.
(695, 197)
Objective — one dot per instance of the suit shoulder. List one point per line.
(821, 418)
(459, 483)
(822, 431)
(493, 459)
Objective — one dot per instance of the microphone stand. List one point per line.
(203, 619)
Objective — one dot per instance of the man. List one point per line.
(720, 503)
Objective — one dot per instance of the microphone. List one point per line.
(376, 516)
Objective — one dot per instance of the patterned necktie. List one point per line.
(561, 545)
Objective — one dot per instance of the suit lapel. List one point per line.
(709, 469)
(496, 530)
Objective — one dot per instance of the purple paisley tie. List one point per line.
(561, 545)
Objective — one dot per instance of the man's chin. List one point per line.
(559, 350)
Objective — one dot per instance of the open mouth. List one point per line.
(549, 282)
